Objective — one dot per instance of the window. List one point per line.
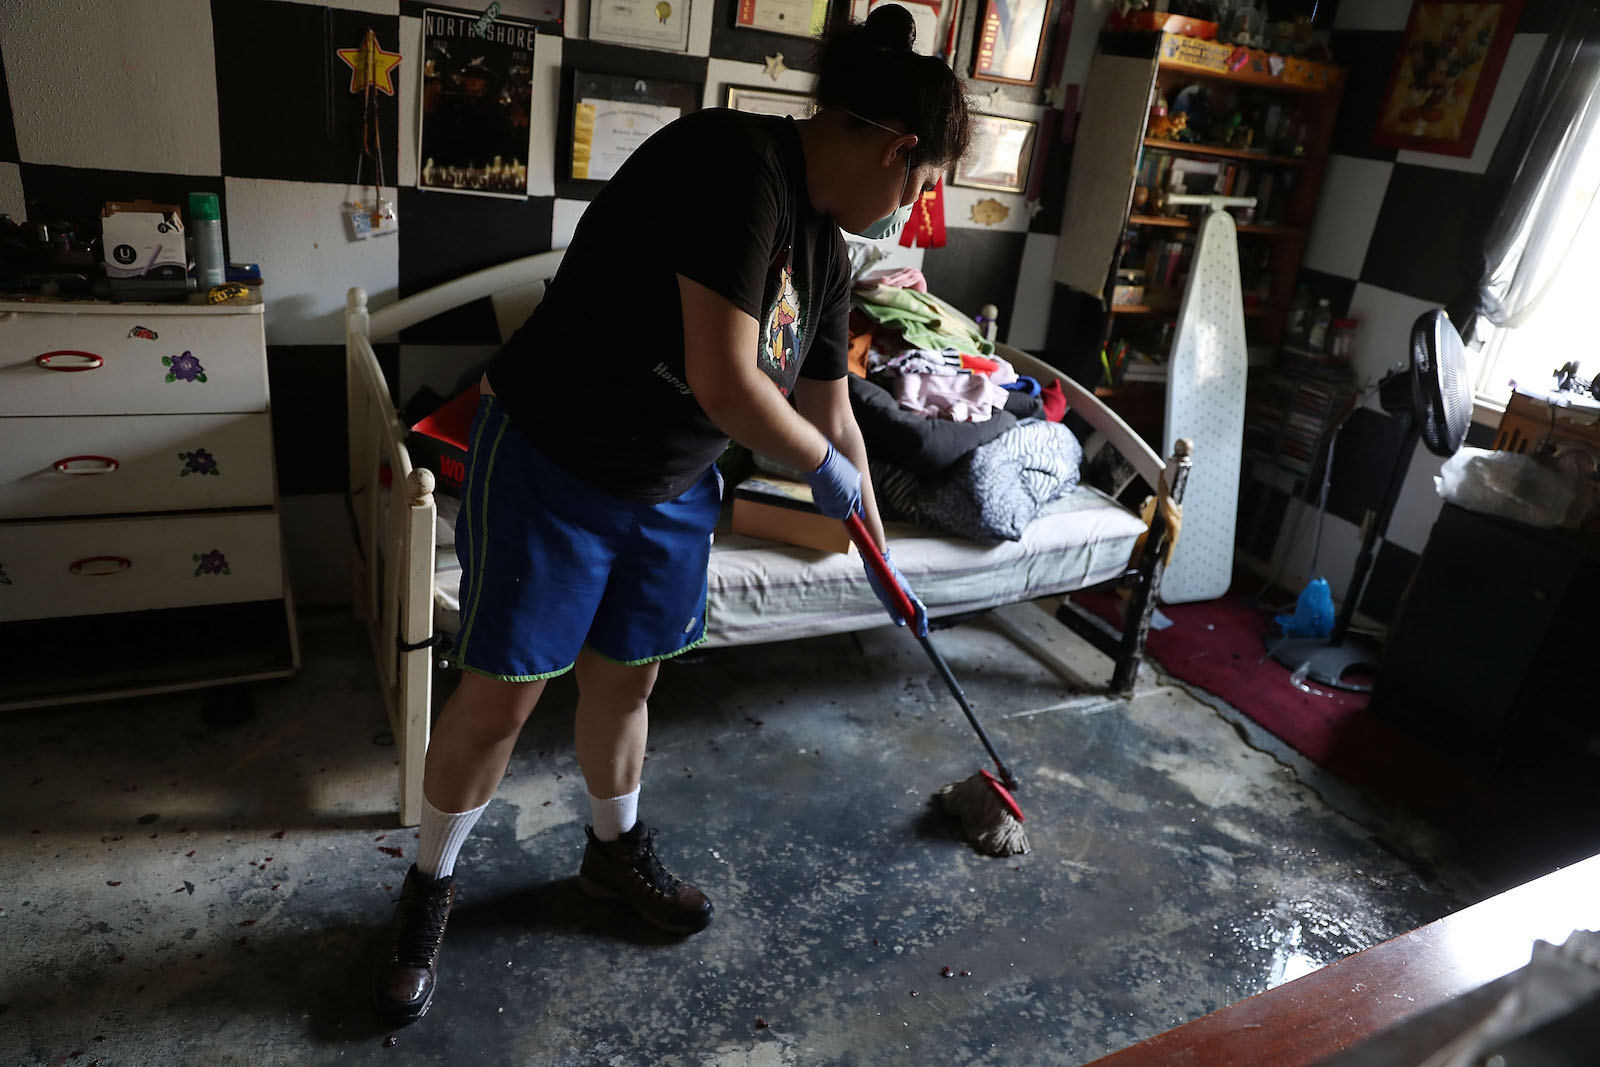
(1560, 326)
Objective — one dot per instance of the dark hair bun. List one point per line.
(890, 26)
(869, 70)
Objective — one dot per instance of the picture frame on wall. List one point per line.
(1010, 45)
(796, 18)
(611, 115)
(1001, 154)
(473, 136)
(759, 101)
(662, 24)
(1444, 75)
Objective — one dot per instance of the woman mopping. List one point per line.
(705, 284)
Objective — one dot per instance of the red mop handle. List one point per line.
(902, 602)
(880, 566)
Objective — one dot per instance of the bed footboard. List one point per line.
(1126, 647)
(392, 513)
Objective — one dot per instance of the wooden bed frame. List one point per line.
(393, 511)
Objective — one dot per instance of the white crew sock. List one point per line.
(443, 834)
(615, 817)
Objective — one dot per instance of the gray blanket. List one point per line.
(992, 493)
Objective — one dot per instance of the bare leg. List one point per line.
(612, 723)
(473, 739)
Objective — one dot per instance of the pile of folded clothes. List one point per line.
(959, 442)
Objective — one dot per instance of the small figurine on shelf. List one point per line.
(1194, 103)
(1237, 134)
(1169, 127)
(1247, 25)
(1295, 134)
(1299, 37)
(1158, 107)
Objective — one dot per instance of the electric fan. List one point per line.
(1432, 400)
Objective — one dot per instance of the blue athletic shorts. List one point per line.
(550, 565)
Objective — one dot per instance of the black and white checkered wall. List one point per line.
(119, 100)
(110, 100)
(1390, 241)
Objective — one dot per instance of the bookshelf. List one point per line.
(1121, 243)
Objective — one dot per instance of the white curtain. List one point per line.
(1545, 151)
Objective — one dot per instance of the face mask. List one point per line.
(888, 226)
(891, 224)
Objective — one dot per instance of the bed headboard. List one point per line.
(517, 287)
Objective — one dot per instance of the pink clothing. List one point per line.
(957, 397)
(900, 278)
(919, 361)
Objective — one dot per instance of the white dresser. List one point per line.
(140, 548)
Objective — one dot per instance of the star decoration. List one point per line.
(775, 66)
(1034, 207)
(370, 65)
(997, 98)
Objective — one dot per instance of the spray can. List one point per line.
(205, 221)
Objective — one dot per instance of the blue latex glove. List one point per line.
(835, 486)
(920, 625)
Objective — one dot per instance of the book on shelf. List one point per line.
(1122, 363)
(1145, 371)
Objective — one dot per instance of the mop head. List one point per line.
(986, 822)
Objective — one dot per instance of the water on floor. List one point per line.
(173, 893)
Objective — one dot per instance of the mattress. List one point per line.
(761, 591)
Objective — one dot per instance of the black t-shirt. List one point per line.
(596, 378)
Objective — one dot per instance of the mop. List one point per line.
(990, 819)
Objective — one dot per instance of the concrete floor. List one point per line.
(170, 893)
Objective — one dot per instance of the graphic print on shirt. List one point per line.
(785, 325)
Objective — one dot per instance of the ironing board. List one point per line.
(1205, 403)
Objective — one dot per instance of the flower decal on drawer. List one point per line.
(213, 562)
(183, 368)
(5, 579)
(198, 462)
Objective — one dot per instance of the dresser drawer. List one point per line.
(105, 361)
(80, 465)
(98, 566)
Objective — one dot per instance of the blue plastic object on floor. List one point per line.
(1313, 612)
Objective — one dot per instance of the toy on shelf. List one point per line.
(1246, 25)
(1169, 127)
(1195, 104)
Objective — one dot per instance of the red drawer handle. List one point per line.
(106, 465)
(58, 360)
(98, 566)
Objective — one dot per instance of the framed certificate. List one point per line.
(612, 115)
(1001, 153)
(660, 24)
(770, 102)
(1011, 41)
(798, 18)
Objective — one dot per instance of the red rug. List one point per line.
(1218, 646)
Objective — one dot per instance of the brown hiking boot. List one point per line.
(627, 869)
(403, 980)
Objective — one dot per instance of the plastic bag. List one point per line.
(1506, 484)
(1313, 612)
